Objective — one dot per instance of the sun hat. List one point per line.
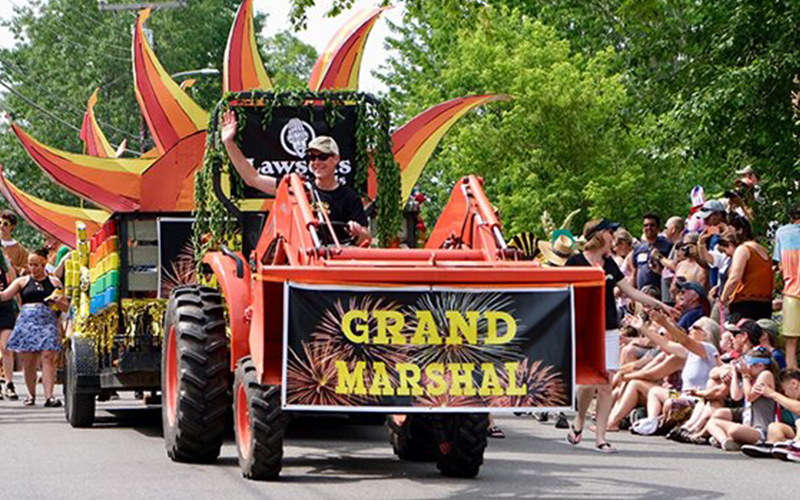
(558, 252)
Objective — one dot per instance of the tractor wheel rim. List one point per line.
(243, 434)
(171, 395)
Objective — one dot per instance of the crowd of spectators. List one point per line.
(701, 343)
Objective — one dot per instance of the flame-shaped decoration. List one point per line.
(112, 183)
(242, 67)
(170, 113)
(52, 219)
(92, 136)
(415, 141)
(339, 64)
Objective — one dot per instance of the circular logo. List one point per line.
(295, 136)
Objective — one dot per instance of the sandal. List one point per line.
(574, 435)
(29, 401)
(495, 432)
(52, 402)
(11, 392)
(605, 448)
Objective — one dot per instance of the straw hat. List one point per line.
(558, 252)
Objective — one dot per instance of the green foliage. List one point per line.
(289, 61)
(298, 14)
(373, 144)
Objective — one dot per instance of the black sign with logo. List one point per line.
(281, 148)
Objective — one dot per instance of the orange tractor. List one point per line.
(435, 338)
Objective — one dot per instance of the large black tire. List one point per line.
(80, 364)
(194, 374)
(259, 424)
(462, 454)
(415, 440)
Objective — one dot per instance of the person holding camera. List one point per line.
(647, 267)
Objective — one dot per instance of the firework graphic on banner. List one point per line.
(329, 331)
(445, 400)
(181, 271)
(545, 387)
(478, 353)
(312, 378)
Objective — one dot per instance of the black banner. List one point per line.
(423, 349)
(281, 148)
(175, 254)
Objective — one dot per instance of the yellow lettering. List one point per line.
(361, 327)
(513, 389)
(351, 383)
(511, 327)
(381, 385)
(391, 322)
(409, 379)
(461, 383)
(491, 382)
(468, 327)
(426, 329)
(436, 385)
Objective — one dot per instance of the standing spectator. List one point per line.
(646, 268)
(690, 266)
(16, 253)
(787, 253)
(713, 215)
(623, 246)
(674, 233)
(599, 236)
(35, 334)
(748, 290)
(8, 315)
(718, 261)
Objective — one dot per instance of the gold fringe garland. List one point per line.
(138, 315)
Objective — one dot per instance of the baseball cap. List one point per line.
(710, 207)
(694, 286)
(324, 144)
(748, 170)
(601, 226)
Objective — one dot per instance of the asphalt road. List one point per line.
(123, 457)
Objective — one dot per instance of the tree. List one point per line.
(563, 142)
(289, 61)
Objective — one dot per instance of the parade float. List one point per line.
(188, 280)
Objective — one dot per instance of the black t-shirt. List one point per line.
(343, 205)
(613, 276)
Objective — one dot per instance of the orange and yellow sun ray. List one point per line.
(170, 113)
(415, 141)
(339, 64)
(112, 183)
(92, 136)
(242, 67)
(53, 219)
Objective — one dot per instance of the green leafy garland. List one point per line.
(214, 225)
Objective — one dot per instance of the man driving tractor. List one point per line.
(342, 203)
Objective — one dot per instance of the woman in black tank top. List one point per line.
(8, 315)
(36, 333)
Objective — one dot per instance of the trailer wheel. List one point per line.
(79, 400)
(194, 374)
(413, 439)
(461, 454)
(258, 423)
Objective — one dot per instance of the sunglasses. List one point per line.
(320, 157)
(5, 223)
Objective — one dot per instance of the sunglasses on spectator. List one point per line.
(5, 223)
(320, 157)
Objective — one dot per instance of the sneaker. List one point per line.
(495, 432)
(793, 457)
(763, 450)
(731, 445)
(561, 421)
(11, 392)
(713, 442)
(541, 417)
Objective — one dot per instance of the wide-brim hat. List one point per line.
(558, 252)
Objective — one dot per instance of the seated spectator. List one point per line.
(757, 367)
(782, 435)
(710, 399)
(692, 303)
(769, 339)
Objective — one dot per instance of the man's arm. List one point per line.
(246, 171)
